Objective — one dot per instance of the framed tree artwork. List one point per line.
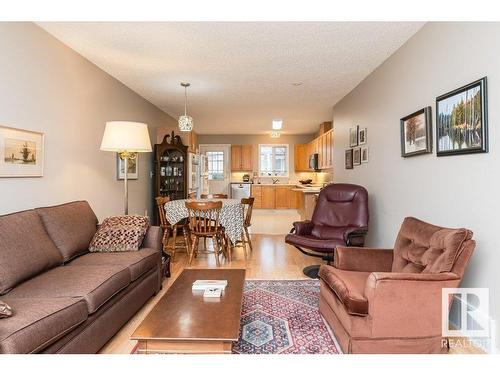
(348, 159)
(416, 133)
(461, 120)
(133, 167)
(356, 156)
(364, 154)
(353, 136)
(362, 136)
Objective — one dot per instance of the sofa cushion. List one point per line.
(5, 310)
(95, 284)
(120, 233)
(348, 286)
(138, 262)
(71, 226)
(37, 322)
(425, 248)
(25, 249)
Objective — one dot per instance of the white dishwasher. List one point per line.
(240, 190)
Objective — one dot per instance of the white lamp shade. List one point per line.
(126, 136)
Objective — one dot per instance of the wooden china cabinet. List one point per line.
(170, 169)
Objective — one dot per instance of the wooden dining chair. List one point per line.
(247, 212)
(214, 196)
(204, 222)
(171, 229)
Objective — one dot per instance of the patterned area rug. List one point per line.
(282, 317)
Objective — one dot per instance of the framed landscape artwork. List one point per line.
(416, 133)
(133, 167)
(21, 152)
(353, 136)
(348, 159)
(356, 156)
(461, 120)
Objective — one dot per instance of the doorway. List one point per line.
(218, 167)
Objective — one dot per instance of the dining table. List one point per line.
(231, 215)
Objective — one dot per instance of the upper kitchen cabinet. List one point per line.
(302, 158)
(192, 142)
(241, 158)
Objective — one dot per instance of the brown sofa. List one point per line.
(65, 299)
(389, 301)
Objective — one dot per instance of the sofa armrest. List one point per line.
(303, 227)
(153, 238)
(363, 259)
(407, 304)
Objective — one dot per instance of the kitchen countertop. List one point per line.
(314, 189)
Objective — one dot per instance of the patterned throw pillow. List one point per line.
(5, 310)
(120, 233)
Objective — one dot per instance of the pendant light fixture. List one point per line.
(186, 122)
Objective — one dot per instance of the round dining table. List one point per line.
(231, 215)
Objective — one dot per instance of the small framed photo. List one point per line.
(133, 167)
(348, 159)
(356, 156)
(416, 133)
(461, 120)
(364, 154)
(21, 152)
(362, 136)
(353, 136)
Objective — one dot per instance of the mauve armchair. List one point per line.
(389, 300)
(340, 218)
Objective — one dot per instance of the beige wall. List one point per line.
(255, 140)
(45, 86)
(455, 191)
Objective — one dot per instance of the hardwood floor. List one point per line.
(270, 259)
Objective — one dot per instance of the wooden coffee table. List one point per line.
(184, 322)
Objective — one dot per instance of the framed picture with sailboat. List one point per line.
(21, 152)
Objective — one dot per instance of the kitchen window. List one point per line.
(215, 160)
(273, 160)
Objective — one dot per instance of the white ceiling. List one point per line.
(241, 74)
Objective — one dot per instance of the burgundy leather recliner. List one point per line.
(340, 218)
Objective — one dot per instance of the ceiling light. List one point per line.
(277, 124)
(186, 122)
(297, 83)
(275, 134)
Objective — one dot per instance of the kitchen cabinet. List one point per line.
(192, 142)
(282, 197)
(302, 158)
(257, 194)
(241, 158)
(323, 146)
(294, 198)
(268, 197)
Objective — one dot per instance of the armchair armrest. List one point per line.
(407, 304)
(303, 227)
(355, 236)
(363, 259)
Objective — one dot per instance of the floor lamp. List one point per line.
(126, 138)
